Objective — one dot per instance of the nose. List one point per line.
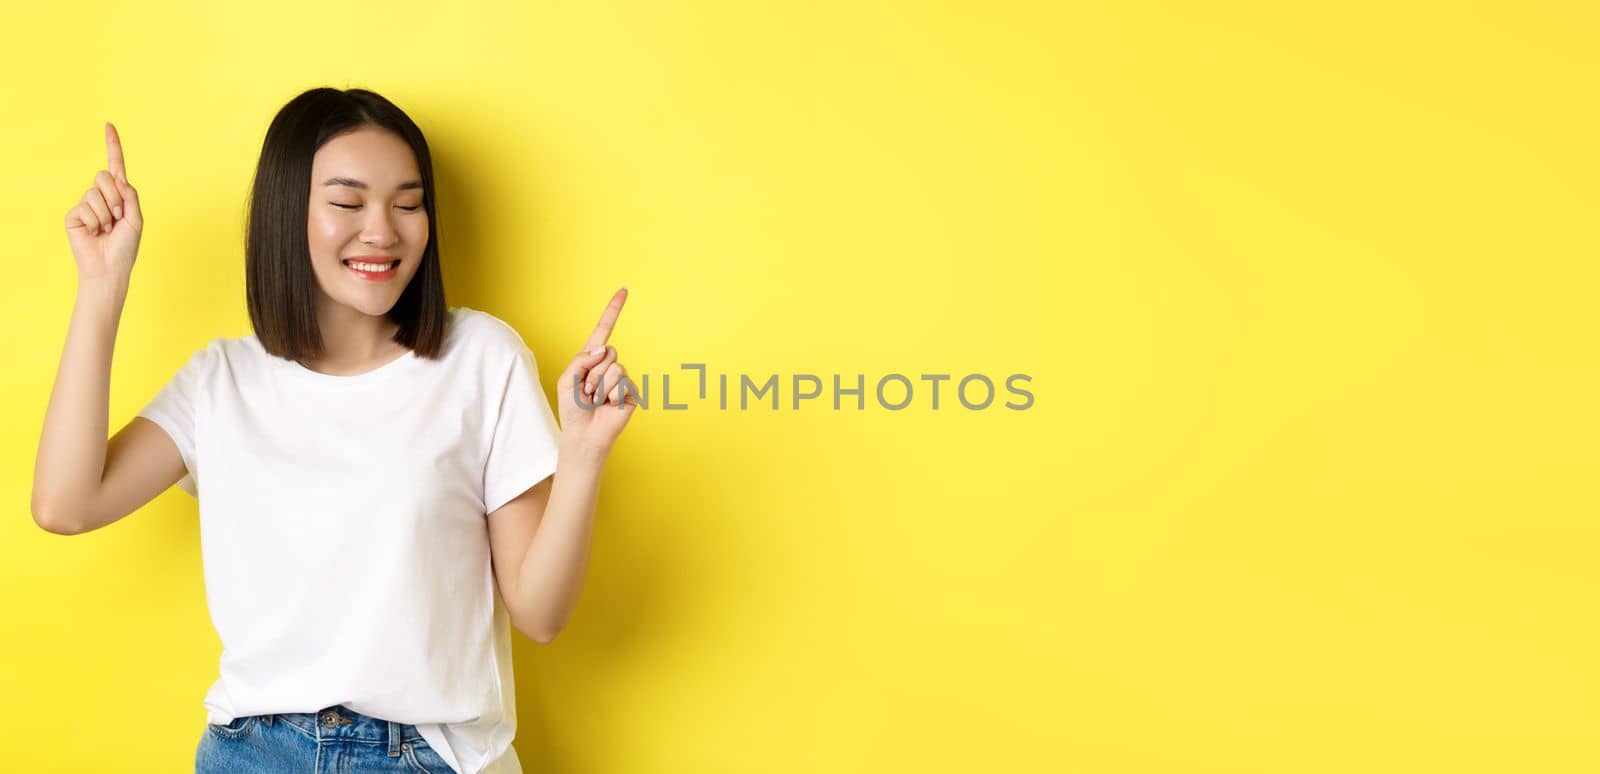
(379, 232)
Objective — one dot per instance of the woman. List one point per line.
(385, 489)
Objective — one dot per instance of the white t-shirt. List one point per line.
(344, 531)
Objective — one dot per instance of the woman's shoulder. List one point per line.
(487, 330)
(204, 360)
(471, 331)
(221, 349)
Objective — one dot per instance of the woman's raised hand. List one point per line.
(595, 423)
(104, 226)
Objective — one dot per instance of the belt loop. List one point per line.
(394, 739)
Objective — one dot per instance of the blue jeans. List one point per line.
(333, 740)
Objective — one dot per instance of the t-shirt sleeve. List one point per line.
(175, 409)
(526, 436)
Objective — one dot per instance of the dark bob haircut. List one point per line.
(280, 287)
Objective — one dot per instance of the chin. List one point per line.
(374, 304)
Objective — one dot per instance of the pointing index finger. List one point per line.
(114, 154)
(608, 320)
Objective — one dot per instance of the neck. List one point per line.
(352, 340)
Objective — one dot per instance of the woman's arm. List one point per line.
(104, 229)
(72, 447)
(540, 544)
(540, 540)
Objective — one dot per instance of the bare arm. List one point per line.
(539, 544)
(72, 446)
(540, 540)
(71, 473)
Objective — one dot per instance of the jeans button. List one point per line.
(328, 719)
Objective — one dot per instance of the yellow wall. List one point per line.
(1306, 295)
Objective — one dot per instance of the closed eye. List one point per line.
(413, 208)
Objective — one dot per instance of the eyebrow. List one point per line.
(354, 183)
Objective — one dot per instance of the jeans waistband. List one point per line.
(339, 722)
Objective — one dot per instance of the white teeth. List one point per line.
(376, 267)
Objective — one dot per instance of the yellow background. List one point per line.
(1306, 293)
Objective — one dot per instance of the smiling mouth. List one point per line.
(373, 270)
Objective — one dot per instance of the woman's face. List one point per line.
(366, 207)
